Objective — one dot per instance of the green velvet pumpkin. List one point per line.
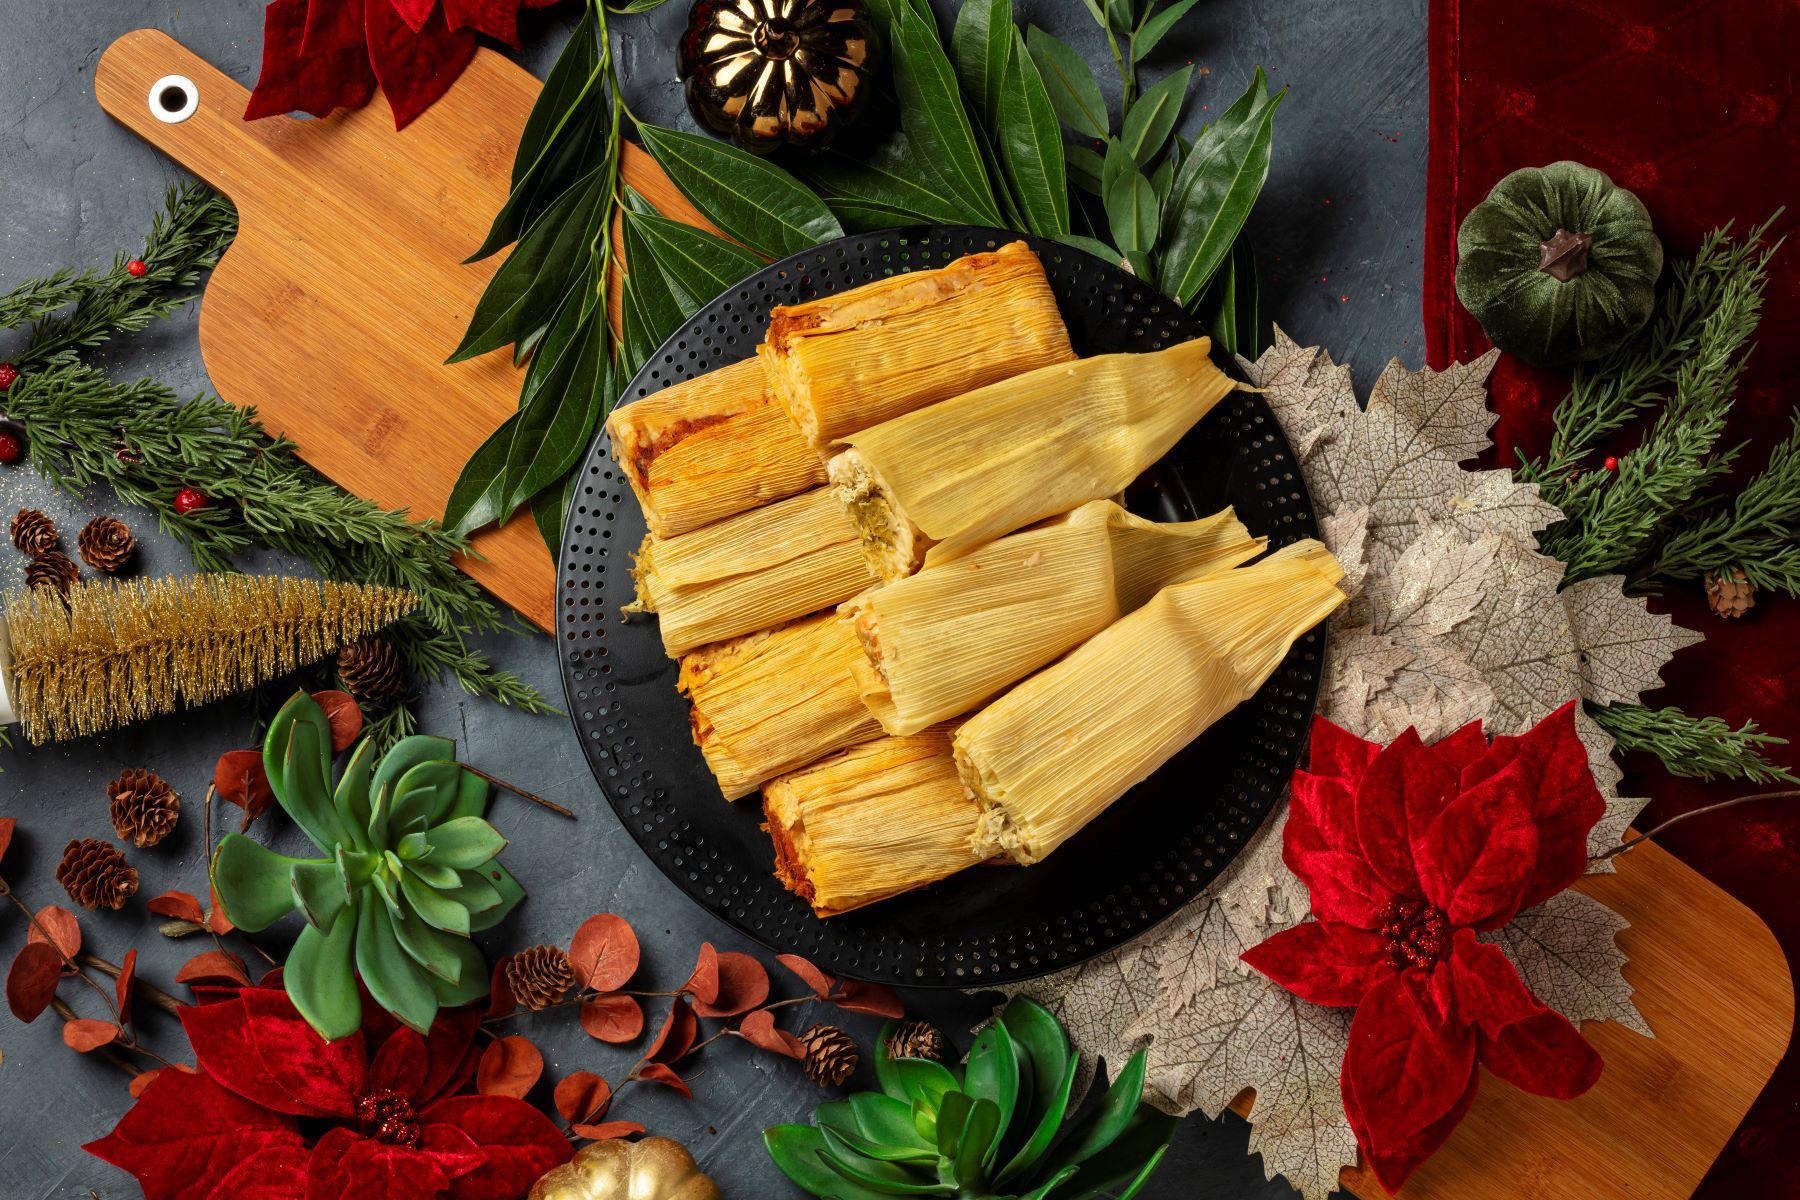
(1558, 264)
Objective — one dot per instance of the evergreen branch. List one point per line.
(1757, 534)
(1693, 747)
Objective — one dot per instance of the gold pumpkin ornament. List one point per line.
(656, 1168)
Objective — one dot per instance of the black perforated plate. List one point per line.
(1151, 853)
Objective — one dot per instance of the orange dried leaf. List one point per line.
(62, 926)
(510, 1066)
(344, 717)
(87, 1034)
(604, 953)
(608, 1130)
(180, 905)
(874, 998)
(820, 983)
(759, 1030)
(582, 1096)
(703, 984)
(122, 985)
(31, 980)
(743, 985)
(660, 1073)
(214, 966)
(7, 824)
(612, 1018)
(676, 1037)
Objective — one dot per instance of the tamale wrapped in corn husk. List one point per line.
(935, 483)
(871, 822)
(710, 447)
(774, 700)
(855, 359)
(1052, 754)
(749, 572)
(940, 643)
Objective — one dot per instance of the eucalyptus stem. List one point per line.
(1678, 818)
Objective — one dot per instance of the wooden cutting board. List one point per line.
(345, 291)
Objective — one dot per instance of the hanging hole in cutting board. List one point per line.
(173, 99)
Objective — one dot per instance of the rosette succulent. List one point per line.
(991, 1129)
(408, 873)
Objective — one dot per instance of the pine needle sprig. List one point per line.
(1694, 747)
(1759, 533)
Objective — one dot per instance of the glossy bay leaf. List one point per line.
(890, 176)
(1214, 191)
(1152, 118)
(754, 202)
(933, 116)
(1070, 83)
(1131, 212)
(1031, 148)
(1158, 26)
(981, 43)
(702, 263)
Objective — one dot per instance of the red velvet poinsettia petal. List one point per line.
(400, 1064)
(1324, 795)
(273, 1173)
(1462, 749)
(346, 1164)
(1486, 987)
(1323, 962)
(1558, 784)
(1476, 858)
(414, 12)
(520, 1142)
(1544, 1055)
(1342, 885)
(453, 1052)
(1403, 1053)
(499, 19)
(455, 1151)
(314, 59)
(414, 69)
(260, 1047)
(1404, 779)
(1394, 1162)
(184, 1134)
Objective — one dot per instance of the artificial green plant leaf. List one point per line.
(1048, 1124)
(321, 981)
(352, 794)
(472, 976)
(424, 795)
(297, 759)
(754, 202)
(1127, 1161)
(1039, 1037)
(925, 1081)
(953, 1108)
(463, 842)
(319, 890)
(992, 1074)
(844, 1153)
(252, 882)
(431, 949)
(886, 1073)
(887, 1121)
(974, 1150)
(436, 908)
(1108, 1120)
(356, 867)
(798, 1151)
(508, 890)
(393, 980)
(442, 879)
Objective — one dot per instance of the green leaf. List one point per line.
(297, 757)
(842, 1132)
(892, 176)
(1070, 83)
(1031, 147)
(1094, 246)
(319, 891)
(1049, 1120)
(471, 796)
(924, 1080)
(1107, 1121)
(252, 882)
(432, 950)
(476, 496)
(406, 754)
(891, 1178)
(550, 509)
(437, 908)
(754, 202)
(1152, 119)
(559, 417)
(1085, 167)
(321, 980)
(660, 310)
(981, 42)
(1051, 1184)
(412, 847)
(1214, 191)
(474, 892)
(1127, 1161)
(1116, 163)
(797, 1150)
(887, 1073)
(391, 977)
(509, 892)
(1158, 26)
(887, 1121)
(439, 879)
(352, 795)
(1163, 178)
(992, 1074)
(701, 263)
(953, 1108)
(1039, 1039)
(356, 868)
(425, 794)
(933, 116)
(1131, 212)
(975, 1149)
(1118, 16)
(464, 843)
(1236, 323)
(472, 976)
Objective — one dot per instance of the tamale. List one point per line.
(855, 359)
(710, 447)
(1050, 755)
(774, 700)
(871, 822)
(748, 572)
(938, 482)
(938, 644)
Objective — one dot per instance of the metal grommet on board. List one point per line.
(173, 99)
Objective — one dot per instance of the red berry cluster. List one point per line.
(1417, 932)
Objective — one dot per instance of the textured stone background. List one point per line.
(1338, 240)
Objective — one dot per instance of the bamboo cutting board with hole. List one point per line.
(345, 291)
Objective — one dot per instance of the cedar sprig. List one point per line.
(1694, 747)
(1759, 533)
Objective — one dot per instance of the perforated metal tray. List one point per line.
(1151, 853)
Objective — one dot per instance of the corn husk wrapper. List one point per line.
(1056, 751)
(774, 700)
(855, 359)
(752, 571)
(709, 448)
(950, 477)
(938, 644)
(871, 822)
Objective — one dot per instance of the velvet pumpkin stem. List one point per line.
(1622, 847)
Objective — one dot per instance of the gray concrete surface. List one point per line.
(1338, 233)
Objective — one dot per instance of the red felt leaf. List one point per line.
(88, 1034)
(607, 1130)
(1324, 794)
(1342, 885)
(1403, 782)
(272, 1173)
(1486, 986)
(499, 19)
(877, 999)
(7, 825)
(343, 715)
(454, 1151)
(414, 68)
(1394, 1162)
(260, 1047)
(820, 983)
(398, 1065)
(180, 905)
(656, 1072)
(676, 1037)
(62, 926)
(1544, 1055)
(31, 980)
(760, 1030)
(1324, 962)
(520, 1143)
(612, 1018)
(510, 1066)
(344, 1163)
(1408, 1066)
(604, 953)
(217, 922)
(122, 985)
(312, 61)
(1557, 784)
(582, 1096)
(500, 997)
(743, 984)
(703, 984)
(186, 1133)
(214, 966)
(1461, 750)
(1477, 856)
(414, 12)
(239, 777)
(451, 1053)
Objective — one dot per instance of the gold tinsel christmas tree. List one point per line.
(114, 653)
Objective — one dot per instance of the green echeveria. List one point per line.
(408, 873)
(988, 1130)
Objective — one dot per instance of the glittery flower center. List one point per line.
(388, 1116)
(1417, 933)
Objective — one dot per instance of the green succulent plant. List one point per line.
(990, 1130)
(408, 873)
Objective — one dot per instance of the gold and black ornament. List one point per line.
(656, 1168)
(769, 73)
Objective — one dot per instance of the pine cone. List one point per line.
(373, 673)
(32, 532)
(916, 1039)
(105, 544)
(52, 569)
(831, 1055)
(539, 977)
(144, 807)
(1729, 592)
(96, 874)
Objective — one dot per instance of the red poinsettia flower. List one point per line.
(275, 1112)
(324, 54)
(1410, 852)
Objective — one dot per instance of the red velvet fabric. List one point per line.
(1695, 106)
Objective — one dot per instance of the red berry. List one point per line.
(188, 499)
(138, 267)
(8, 373)
(11, 448)
(1611, 463)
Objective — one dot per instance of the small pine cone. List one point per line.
(831, 1055)
(916, 1039)
(540, 976)
(96, 874)
(105, 544)
(1729, 592)
(144, 807)
(52, 569)
(33, 533)
(373, 673)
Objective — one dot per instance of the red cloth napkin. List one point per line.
(1695, 106)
